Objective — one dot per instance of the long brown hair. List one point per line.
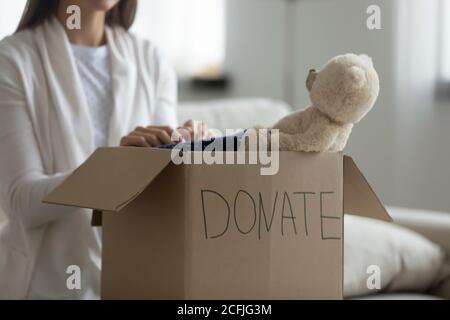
(38, 11)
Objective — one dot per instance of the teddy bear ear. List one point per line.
(354, 78)
(312, 75)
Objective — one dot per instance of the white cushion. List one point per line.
(234, 113)
(407, 261)
(434, 225)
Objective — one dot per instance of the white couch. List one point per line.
(436, 227)
(234, 113)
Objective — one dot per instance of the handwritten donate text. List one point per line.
(290, 208)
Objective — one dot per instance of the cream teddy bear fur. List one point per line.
(342, 93)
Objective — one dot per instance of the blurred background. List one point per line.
(225, 49)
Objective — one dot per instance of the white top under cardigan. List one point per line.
(46, 131)
(94, 68)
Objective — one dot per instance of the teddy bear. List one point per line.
(342, 93)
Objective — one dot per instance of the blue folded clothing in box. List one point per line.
(227, 143)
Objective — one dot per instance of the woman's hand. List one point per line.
(193, 130)
(154, 136)
(151, 136)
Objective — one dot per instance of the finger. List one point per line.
(161, 134)
(189, 123)
(198, 127)
(176, 136)
(167, 129)
(164, 137)
(150, 138)
(186, 132)
(133, 141)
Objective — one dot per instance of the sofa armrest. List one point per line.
(435, 226)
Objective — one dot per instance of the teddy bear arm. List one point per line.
(294, 122)
(317, 138)
(341, 139)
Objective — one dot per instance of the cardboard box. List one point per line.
(220, 231)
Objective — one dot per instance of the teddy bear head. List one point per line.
(346, 87)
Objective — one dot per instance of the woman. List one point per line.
(63, 93)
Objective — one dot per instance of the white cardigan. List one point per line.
(45, 133)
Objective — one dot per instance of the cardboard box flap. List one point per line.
(359, 198)
(111, 178)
